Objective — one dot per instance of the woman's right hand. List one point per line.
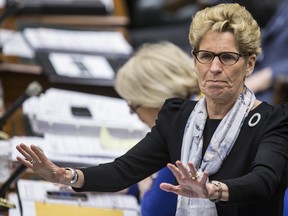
(36, 160)
(189, 182)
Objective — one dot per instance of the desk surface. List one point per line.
(118, 18)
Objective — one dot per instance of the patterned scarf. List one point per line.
(220, 145)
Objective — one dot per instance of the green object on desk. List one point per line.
(5, 204)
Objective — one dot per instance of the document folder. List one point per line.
(52, 209)
(83, 73)
(34, 202)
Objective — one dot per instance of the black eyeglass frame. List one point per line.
(239, 55)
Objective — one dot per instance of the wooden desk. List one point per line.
(119, 18)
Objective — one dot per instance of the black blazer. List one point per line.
(255, 169)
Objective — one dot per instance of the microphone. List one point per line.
(33, 89)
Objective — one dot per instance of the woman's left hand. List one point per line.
(190, 184)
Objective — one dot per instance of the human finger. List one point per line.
(169, 188)
(187, 173)
(204, 178)
(193, 172)
(27, 152)
(25, 162)
(176, 172)
(29, 156)
(39, 153)
(23, 151)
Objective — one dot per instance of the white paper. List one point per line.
(31, 191)
(76, 153)
(16, 140)
(109, 133)
(12, 197)
(73, 149)
(82, 66)
(102, 42)
(108, 112)
(14, 44)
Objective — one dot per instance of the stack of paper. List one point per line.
(34, 198)
(102, 131)
(52, 112)
(95, 42)
(77, 151)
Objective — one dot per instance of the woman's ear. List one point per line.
(250, 65)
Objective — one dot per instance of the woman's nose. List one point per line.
(216, 65)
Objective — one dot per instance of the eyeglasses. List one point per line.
(227, 58)
(133, 108)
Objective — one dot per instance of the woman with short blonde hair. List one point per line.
(157, 72)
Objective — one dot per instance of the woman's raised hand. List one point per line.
(36, 160)
(190, 183)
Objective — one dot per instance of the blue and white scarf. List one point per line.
(220, 145)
